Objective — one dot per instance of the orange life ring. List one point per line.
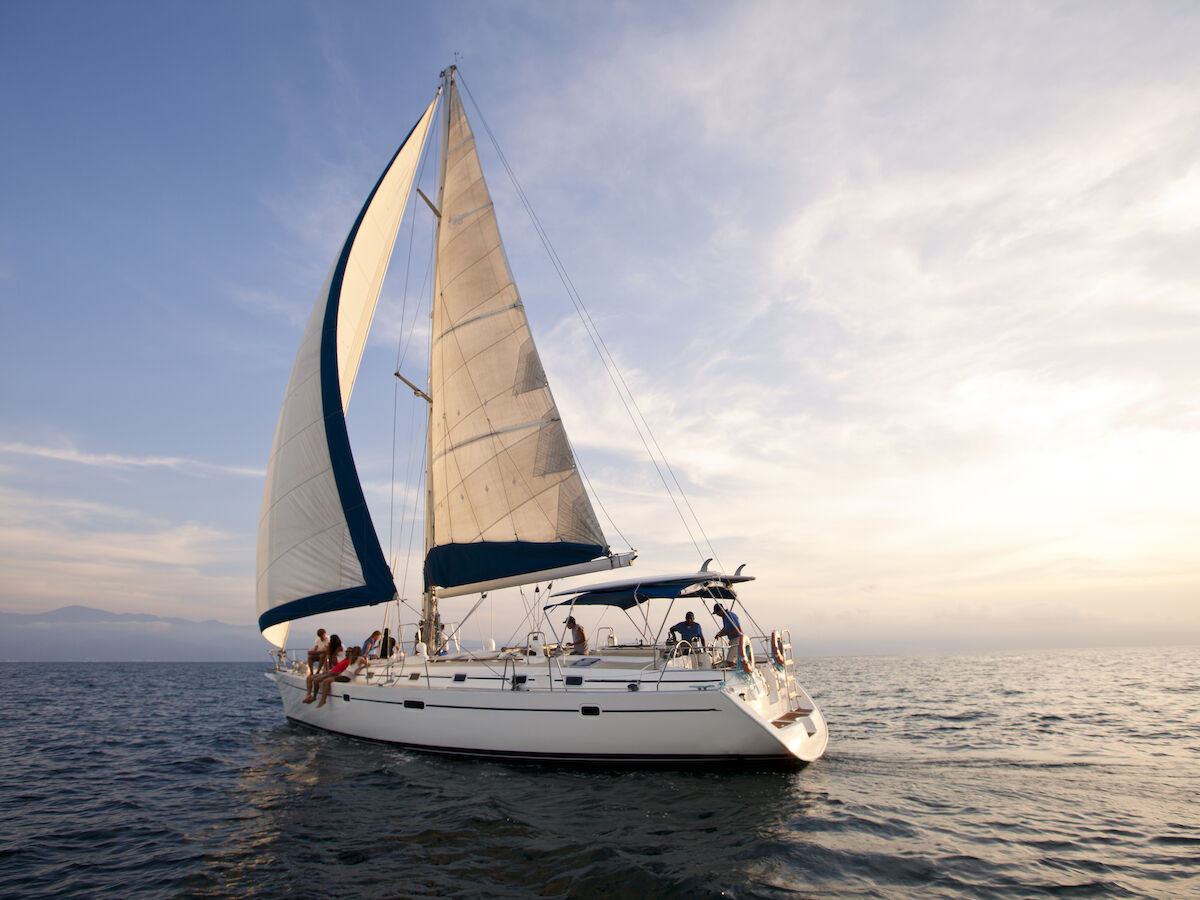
(746, 654)
(777, 646)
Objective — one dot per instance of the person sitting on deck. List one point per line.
(340, 672)
(579, 641)
(333, 650)
(370, 647)
(730, 628)
(319, 649)
(364, 665)
(688, 630)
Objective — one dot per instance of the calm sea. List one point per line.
(1036, 774)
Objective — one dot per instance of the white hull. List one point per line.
(684, 716)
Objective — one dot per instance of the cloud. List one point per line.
(57, 551)
(908, 297)
(117, 461)
(271, 304)
(929, 335)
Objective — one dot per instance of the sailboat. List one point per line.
(505, 507)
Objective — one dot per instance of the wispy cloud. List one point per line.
(59, 551)
(118, 461)
(955, 362)
(909, 298)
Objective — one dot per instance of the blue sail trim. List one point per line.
(350, 598)
(450, 565)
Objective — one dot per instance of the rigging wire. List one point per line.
(638, 419)
(412, 531)
(402, 351)
(417, 423)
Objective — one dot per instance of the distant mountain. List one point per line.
(83, 633)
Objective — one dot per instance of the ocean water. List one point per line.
(1023, 775)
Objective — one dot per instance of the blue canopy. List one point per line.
(629, 593)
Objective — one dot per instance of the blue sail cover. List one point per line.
(451, 565)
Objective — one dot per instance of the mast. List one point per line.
(429, 610)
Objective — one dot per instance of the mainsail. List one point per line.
(317, 547)
(507, 498)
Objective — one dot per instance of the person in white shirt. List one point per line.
(316, 656)
(578, 642)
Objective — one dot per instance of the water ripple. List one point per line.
(1013, 775)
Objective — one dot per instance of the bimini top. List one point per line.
(630, 592)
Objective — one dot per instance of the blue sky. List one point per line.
(908, 292)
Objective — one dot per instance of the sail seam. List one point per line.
(457, 235)
(284, 553)
(469, 139)
(300, 385)
(467, 360)
(461, 217)
(300, 484)
(484, 528)
(532, 493)
(482, 316)
(497, 432)
(484, 257)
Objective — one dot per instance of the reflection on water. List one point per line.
(430, 826)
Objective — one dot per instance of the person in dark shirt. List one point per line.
(688, 630)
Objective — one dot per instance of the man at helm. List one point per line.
(688, 630)
(730, 628)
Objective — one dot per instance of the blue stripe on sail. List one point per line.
(379, 586)
(350, 598)
(377, 575)
(450, 565)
